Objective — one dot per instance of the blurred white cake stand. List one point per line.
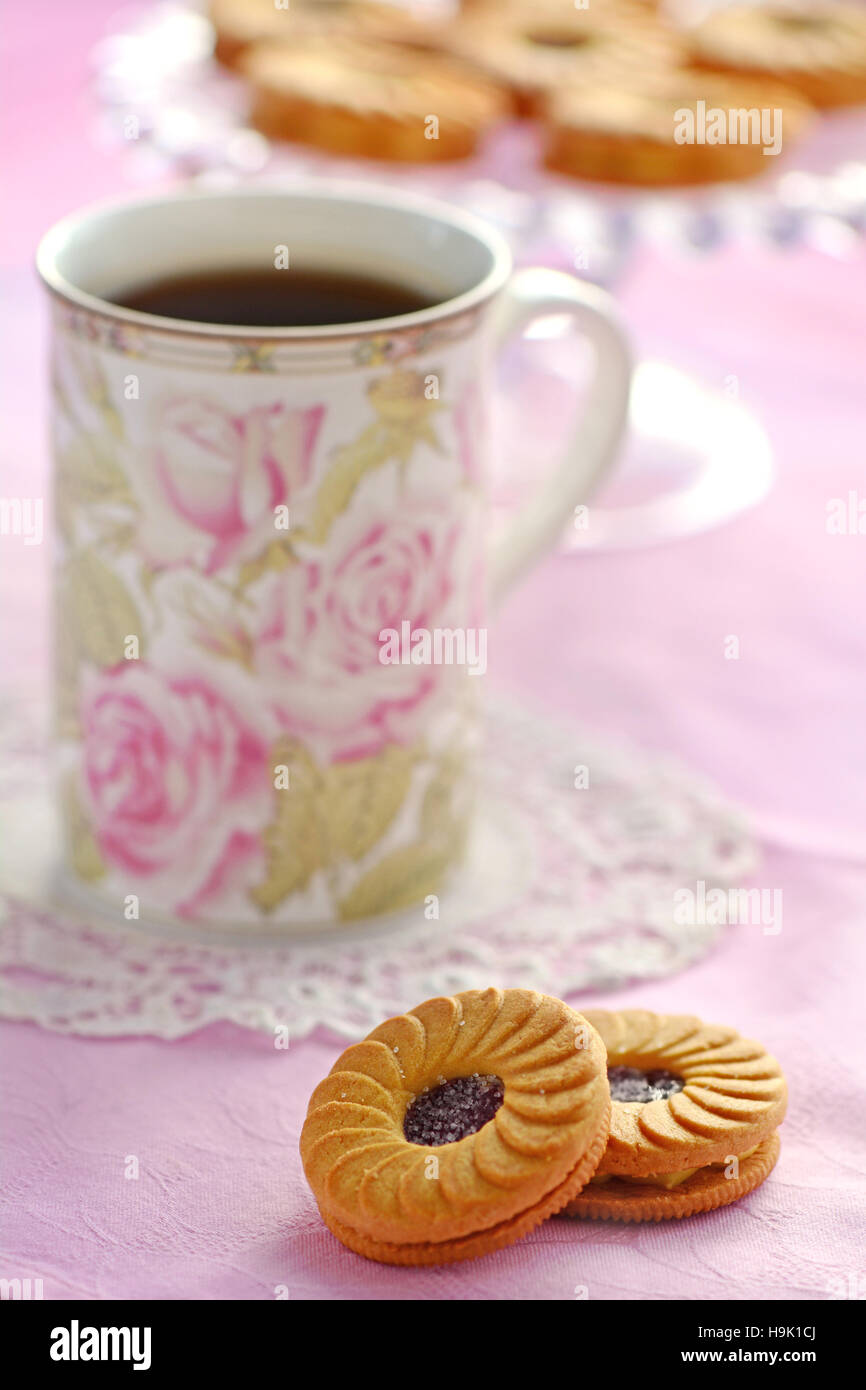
(695, 458)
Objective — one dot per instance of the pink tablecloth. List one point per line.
(630, 644)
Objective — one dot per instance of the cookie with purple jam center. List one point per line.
(631, 1084)
(450, 1111)
(431, 1081)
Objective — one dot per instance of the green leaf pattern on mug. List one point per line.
(404, 420)
(276, 556)
(328, 814)
(66, 658)
(295, 842)
(89, 472)
(402, 878)
(361, 798)
(101, 609)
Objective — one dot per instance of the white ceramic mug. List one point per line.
(250, 518)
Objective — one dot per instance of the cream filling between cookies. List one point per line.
(665, 1180)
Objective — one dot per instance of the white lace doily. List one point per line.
(565, 889)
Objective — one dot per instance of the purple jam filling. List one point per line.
(629, 1084)
(451, 1111)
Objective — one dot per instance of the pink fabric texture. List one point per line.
(629, 644)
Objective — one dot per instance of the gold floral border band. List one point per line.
(295, 357)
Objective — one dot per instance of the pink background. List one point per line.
(630, 645)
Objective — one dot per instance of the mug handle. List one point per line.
(529, 295)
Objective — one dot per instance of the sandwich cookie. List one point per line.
(694, 1113)
(455, 1129)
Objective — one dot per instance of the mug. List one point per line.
(272, 569)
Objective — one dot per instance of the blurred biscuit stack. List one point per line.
(622, 93)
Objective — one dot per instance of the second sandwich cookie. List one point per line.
(694, 1112)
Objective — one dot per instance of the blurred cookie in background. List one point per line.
(819, 51)
(374, 101)
(240, 23)
(370, 79)
(671, 128)
(537, 49)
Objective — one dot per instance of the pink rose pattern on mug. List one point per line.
(233, 749)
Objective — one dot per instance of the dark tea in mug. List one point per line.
(273, 298)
